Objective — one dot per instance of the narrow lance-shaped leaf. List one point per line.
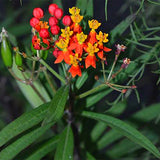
(24, 122)
(16, 147)
(56, 107)
(120, 28)
(82, 5)
(145, 115)
(66, 145)
(125, 130)
(44, 149)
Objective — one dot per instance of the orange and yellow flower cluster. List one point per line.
(75, 47)
(70, 44)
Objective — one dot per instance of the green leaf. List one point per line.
(120, 28)
(90, 157)
(125, 130)
(56, 107)
(144, 116)
(89, 9)
(86, 7)
(106, 4)
(126, 147)
(24, 122)
(16, 147)
(98, 130)
(82, 5)
(100, 127)
(81, 80)
(65, 146)
(59, 3)
(44, 149)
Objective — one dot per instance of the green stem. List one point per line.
(17, 78)
(49, 81)
(91, 91)
(114, 63)
(33, 69)
(38, 93)
(52, 71)
(104, 75)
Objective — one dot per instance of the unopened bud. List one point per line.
(124, 90)
(96, 77)
(133, 87)
(38, 13)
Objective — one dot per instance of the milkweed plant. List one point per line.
(70, 67)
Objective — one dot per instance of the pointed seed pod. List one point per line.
(18, 60)
(5, 50)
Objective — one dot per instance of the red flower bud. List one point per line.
(47, 43)
(67, 20)
(124, 90)
(53, 21)
(38, 13)
(56, 52)
(52, 8)
(58, 13)
(44, 33)
(34, 21)
(55, 30)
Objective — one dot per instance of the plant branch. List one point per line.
(52, 71)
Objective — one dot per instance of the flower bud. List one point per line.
(126, 62)
(52, 8)
(18, 59)
(5, 50)
(124, 90)
(53, 21)
(38, 13)
(34, 21)
(96, 77)
(58, 13)
(56, 52)
(55, 30)
(44, 33)
(67, 20)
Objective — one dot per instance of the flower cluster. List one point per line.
(44, 31)
(75, 47)
(72, 45)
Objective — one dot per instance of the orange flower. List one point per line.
(93, 24)
(91, 58)
(65, 53)
(102, 48)
(79, 45)
(102, 38)
(75, 68)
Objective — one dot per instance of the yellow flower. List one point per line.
(74, 10)
(74, 59)
(63, 44)
(66, 33)
(76, 18)
(81, 37)
(43, 24)
(93, 24)
(91, 49)
(102, 37)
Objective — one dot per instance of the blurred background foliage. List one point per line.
(135, 24)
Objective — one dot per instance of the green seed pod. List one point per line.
(5, 50)
(18, 60)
